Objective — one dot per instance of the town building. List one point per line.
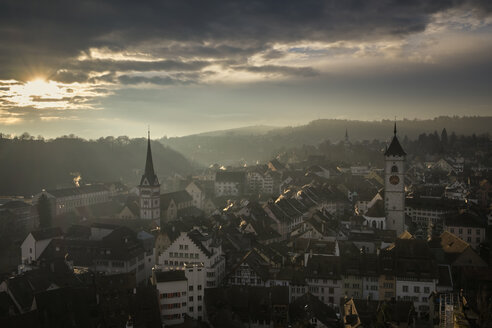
(68, 199)
(467, 226)
(195, 247)
(229, 183)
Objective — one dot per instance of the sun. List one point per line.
(41, 88)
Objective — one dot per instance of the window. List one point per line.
(478, 231)
(331, 290)
(469, 231)
(190, 288)
(451, 230)
(199, 307)
(190, 309)
(199, 297)
(426, 290)
(199, 287)
(394, 169)
(416, 289)
(190, 299)
(468, 239)
(405, 289)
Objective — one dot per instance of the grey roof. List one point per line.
(465, 219)
(309, 306)
(47, 233)
(87, 189)
(168, 276)
(180, 196)
(228, 176)
(395, 148)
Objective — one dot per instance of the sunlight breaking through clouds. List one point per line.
(41, 94)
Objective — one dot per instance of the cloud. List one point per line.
(282, 70)
(44, 38)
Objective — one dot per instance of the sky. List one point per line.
(98, 68)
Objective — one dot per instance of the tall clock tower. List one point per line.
(394, 186)
(150, 190)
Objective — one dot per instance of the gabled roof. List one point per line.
(256, 263)
(228, 176)
(197, 237)
(465, 219)
(47, 233)
(376, 210)
(309, 306)
(180, 196)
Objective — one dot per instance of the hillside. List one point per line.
(31, 165)
(232, 147)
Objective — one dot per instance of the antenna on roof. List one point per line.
(395, 127)
(148, 132)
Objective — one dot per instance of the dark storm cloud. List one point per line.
(38, 36)
(139, 66)
(159, 80)
(283, 70)
(77, 71)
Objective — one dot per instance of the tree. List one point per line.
(44, 212)
(444, 138)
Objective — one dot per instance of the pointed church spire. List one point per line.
(149, 173)
(395, 148)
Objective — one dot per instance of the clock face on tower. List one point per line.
(394, 179)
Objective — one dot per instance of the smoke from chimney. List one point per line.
(76, 178)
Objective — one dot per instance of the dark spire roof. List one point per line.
(149, 173)
(395, 148)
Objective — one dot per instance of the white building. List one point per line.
(197, 193)
(173, 295)
(67, 199)
(416, 291)
(181, 293)
(195, 247)
(229, 183)
(36, 242)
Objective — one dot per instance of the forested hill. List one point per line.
(27, 166)
(229, 147)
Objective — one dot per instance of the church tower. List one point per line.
(150, 190)
(394, 186)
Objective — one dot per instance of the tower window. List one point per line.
(394, 169)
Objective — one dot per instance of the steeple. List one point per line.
(395, 149)
(149, 173)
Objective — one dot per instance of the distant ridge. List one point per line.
(247, 144)
(247, 130)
